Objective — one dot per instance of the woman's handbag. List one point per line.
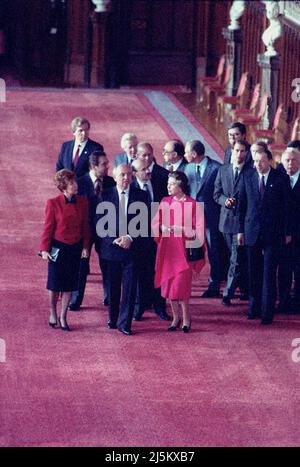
(195, 254)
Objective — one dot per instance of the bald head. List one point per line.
(141, 170)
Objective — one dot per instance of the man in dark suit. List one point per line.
(159, 175)
(129, 143)
(148, 296)
(91, 185)
(226, 194)
(289, 265)
(173, 154)
(201, 172)
(74, 155)
(237, 132)
(122, 244)
(263, 212)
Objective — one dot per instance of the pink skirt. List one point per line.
(178, 287)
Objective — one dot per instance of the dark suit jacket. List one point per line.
(203, 191)
(86, 188)
(65, 157)
(295, 211)
(227, 157)
(112, 252)
(267, 219)
(227, 187)
(159, 180)
(66, 222)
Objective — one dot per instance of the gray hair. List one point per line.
(128, 137)
(79, 121)
(117, 168)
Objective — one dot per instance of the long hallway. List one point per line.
(230, 382)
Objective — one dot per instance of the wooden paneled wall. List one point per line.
(289, 68)
(253, 24)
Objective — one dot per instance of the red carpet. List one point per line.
(230, 382)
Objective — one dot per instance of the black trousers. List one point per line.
(237, 275)
(263, 262)
(217, 257)
(122, 283)
(289, 269)
(147, 294)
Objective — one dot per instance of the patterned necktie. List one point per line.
(98, 187)
(262, 186)
(76, 157)
(170, 168)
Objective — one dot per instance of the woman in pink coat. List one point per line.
(178, 225)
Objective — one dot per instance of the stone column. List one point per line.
(233, 36)
(98, 56)
(269, 62)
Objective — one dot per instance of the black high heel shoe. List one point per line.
(53, 325)
(187, 328)
(174, 327)
(64, 328)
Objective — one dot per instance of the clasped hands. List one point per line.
(179, 230)
(124, 242)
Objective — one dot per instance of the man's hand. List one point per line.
(85, 253)
(240, 239)
(230, 203)
(288, 239)
(124, 242)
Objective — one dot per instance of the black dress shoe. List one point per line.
(74, 306)
(138, 318)
(226, 301)
(125, 331)
(105, 302)
(111, 325)
(211, 294)
(53, 325)
(266, 321)
(163, 315)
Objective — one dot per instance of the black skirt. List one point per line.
(63, 273)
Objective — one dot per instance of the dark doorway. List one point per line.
(156, 41)
(35, 40)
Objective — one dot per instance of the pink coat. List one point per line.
(173, 273)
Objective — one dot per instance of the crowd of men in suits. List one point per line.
(252, 217)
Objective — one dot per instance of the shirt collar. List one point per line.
(295, 176)
(264, 175)
(125, 191)
(93, 177)
(82, 145)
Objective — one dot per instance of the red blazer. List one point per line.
(66, 222)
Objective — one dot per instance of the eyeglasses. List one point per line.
(167, 152)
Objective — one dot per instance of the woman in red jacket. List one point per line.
(65, 240)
